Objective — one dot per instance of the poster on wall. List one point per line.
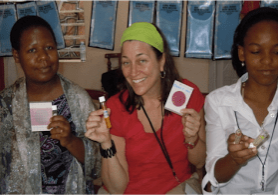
(227, 18)
(168, 19)
(269, 3)
(26, 9)
(141, 11)
(103, 23)
(7, 20)
(48, 10)
(199, 32)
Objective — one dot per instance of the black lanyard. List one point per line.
(263, 163)
(162, 144)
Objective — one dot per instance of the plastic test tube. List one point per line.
(54, 110)
(238, 135)
(105, 112)
(262, 137)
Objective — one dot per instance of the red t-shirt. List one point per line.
(149, 172)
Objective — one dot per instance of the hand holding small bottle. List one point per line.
(98, 124)
(240, 152)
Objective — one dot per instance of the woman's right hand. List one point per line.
(96, 127)
(240, 152)
(238, 155)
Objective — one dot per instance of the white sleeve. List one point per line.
(216, 141)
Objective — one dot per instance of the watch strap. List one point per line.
(191, 145)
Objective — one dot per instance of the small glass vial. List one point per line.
(238, 135)
(262, 137)
(54, 110)
(105, 112)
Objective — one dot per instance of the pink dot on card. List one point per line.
(178, 98)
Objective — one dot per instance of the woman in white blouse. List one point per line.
(250, 105)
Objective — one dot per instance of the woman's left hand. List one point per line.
(191, 121)
(60, 130)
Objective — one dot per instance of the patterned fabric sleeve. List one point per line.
(5, 130)
(82, 104)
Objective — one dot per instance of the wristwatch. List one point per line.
(108, 153)
(191, 145)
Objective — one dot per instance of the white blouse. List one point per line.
(221, 122)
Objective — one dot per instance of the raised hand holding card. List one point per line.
(178, 97)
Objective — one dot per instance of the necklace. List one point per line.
(242, 94)
(242, 89)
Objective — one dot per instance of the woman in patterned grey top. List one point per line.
(61, 161)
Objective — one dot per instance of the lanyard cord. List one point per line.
(236, 120)
(263, 163)
(162, 144)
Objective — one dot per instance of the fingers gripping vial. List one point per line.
(105, 112)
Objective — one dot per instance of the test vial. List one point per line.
(105, 112)
(262, 137)
(238, 135)
(54, 110)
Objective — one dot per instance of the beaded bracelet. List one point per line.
(108, 153)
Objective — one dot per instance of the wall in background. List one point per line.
(88, 74)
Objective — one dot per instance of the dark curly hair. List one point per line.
(134, 101)
(26, 23)
(253, 17)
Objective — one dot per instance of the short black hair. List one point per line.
(253, 17)
(26, 23)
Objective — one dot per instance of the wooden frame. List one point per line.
(112, 55)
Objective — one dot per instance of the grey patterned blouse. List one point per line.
(20, 166)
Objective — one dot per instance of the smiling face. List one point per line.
(141, 68)
(260, 53)
(37, 55)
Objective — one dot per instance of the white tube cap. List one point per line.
(101, 99)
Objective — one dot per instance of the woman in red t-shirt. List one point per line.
(148, 149)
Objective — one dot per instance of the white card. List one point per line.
(40, 113)
(178, 97)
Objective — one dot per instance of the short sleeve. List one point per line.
(197, 99)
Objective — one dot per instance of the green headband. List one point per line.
(145, 32)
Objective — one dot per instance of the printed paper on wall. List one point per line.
(103, 23)
(169, 18)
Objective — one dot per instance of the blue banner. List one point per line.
(169, 17)
(269, 3)
(226, 20)
(141, 11)
(26, 9)
(48, 11)
(199, 34)
(103, 23)
(7, 20)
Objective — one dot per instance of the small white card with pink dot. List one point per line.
(178, 97)
(40, 113)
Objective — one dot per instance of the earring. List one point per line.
(162, 74)
(242, 64)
